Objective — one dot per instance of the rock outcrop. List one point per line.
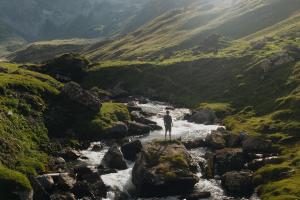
(119, 129)
(135, 128)
(162, 169)
(238, 183)
(216, 140)
(206, 116)
(131, 149)
(257, 145)
(77, 94)
(114, 159)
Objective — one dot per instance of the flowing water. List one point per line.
(121, 181)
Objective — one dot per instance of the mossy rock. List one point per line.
(164, 168)
(221, 109)
(109, 115)
(11, 183)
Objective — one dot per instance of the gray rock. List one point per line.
(119, 129)
(136, 128)
(228, 160)
(77, 94)
(97, 147)
(216, 140)
(192, 144)
(114, 159)
(238, 183)
(46, 182)
(131, 149)
(207, 117)
(65, 181)
(256, 145)
(69, 154)
(93, 190)
(154, 174)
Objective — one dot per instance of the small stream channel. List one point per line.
(185, 130)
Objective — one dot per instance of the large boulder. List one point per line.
(238, 183)
(77, 94)
(135, 128)
(203, 116)
(131, 149)
(228, 160)
(257, 145)
(118, 129)
(57, 164)
(162, 169)
(216, 140)
(93, 190)
(42, 185)
(69, 154)
(114, 159)
(67, 66)
(85, 173)
(192, 144)
(65, 181)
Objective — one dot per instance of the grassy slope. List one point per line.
(42, 51)
(187, 28)
(23, 135)
(25, 99)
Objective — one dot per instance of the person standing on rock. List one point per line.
(168, 124)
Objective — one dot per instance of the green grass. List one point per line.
(276, 187)
(12, 181)
(23, 134)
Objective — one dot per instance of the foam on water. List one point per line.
(93, 158)
(181, 128)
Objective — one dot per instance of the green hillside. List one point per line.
(257, 74)
(190, 27)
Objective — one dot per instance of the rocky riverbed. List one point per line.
(201, 162)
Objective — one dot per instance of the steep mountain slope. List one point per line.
(190, 26)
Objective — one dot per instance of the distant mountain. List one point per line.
(35, 20)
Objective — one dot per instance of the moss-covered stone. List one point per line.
(12, 183)
(164, 168)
